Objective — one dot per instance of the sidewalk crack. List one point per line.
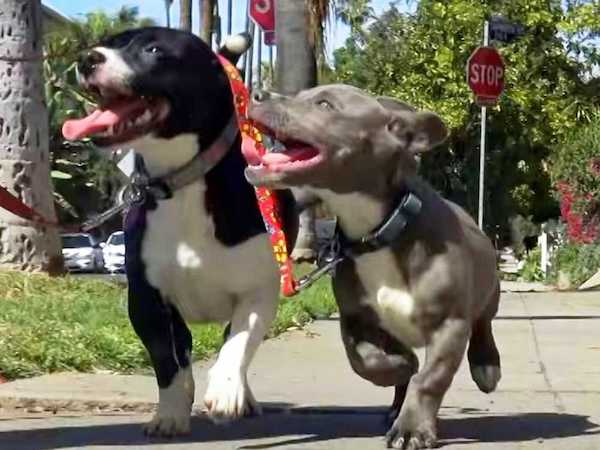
(558, 403)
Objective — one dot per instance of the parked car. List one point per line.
(114, 253)
(82, 253)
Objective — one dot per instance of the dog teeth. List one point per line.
(110, 131)
(144, 118)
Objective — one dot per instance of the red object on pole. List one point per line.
(485, 75)
(269, 38)
(263, 13)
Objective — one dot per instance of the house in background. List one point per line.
(52, 19)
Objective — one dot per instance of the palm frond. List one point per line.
(319, 15)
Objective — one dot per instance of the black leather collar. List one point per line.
(386, 234)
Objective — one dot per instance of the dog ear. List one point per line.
(394, 105)
(417, 132)
(430, 131)
(235, 46)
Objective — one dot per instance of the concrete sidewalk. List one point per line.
(549, 397)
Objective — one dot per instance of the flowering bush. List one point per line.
(582, 227)
(575, 171)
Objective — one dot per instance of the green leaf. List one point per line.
(60, 175)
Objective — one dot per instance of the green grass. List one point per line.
(71, 323)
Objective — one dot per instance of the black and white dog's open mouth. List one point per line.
(119, 118)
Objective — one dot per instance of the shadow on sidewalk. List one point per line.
(303, 426)
(515, 428)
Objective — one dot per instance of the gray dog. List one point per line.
(417, 270)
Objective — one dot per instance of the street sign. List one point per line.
(503, 30)
(263, 13)
(485, 75)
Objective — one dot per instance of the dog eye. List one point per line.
(153, 49)
(324, 104)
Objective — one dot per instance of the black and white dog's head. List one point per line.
(156, 82)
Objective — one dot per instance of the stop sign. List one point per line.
(485, 75)
(263, 13)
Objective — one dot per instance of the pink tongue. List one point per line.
(298, 154)
(249, 150)
(100, 120)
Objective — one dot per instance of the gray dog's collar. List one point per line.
(389, 232)
(386, 235)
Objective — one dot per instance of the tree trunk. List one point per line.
(185, 15)
(296, 61)
(297, 70)
(207, 9)
(24, 157)
(168, 12)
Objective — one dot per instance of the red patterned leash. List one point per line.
(20, 209)
(267, 200)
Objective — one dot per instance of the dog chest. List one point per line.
(388, 295)
(395, 308)
(193, 270)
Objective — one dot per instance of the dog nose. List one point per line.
(89, 62)
(259, 96)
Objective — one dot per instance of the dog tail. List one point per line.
(235, 46)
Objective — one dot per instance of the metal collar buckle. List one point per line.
(328, 258)
(135, 193)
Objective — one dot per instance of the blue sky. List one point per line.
(155, 9)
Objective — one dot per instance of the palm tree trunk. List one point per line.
(168, 12)
(296, 61)
(207, 9)
(24, 158)
(185, 15)
(297, 70)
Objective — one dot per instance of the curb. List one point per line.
(54, 406)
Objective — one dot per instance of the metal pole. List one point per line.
(247, 30)
(259, 59)
(229, 16)
(486, 42)
(250, 60)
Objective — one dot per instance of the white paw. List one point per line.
(228, 396)
(174, 407)
(486, 377)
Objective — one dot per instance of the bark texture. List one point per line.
(207, 8)
(297, 70)
(24, 157)
(185, 15)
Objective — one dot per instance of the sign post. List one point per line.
(262, 13)
(485, 76)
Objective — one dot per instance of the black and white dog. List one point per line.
(197, 249)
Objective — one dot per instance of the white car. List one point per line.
(114, 252)
(82, 253)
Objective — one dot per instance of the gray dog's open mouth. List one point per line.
(119, 118)
(284, 154)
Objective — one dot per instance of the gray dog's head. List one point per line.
(340, 138)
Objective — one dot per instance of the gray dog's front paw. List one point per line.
(412, 431)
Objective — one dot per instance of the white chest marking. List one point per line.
(184, 260)
(396, 309)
